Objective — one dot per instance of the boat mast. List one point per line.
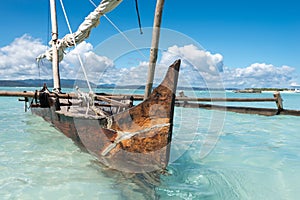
(154, 46)
(55, 61)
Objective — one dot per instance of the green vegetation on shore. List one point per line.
(268, 89)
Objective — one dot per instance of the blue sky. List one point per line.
(246, 33)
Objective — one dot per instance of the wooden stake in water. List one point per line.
(279, 101)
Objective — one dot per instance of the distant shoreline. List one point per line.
(69, 83)
(266, 90)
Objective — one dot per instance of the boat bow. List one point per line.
(138, 139)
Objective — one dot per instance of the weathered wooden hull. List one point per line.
(136, 140)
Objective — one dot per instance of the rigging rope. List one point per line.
(40, 62)
(128, 40)
(49, 22)
(39, 67)
(75, 45)
(93, 3)
(121, 32)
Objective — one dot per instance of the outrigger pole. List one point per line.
(55, 60)
(154, 46)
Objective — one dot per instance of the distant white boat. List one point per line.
(297, 90)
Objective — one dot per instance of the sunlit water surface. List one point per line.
(255, 157)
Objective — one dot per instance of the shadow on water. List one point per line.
(185, 179)
(132, 185)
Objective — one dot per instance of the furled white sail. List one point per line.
(83, 32)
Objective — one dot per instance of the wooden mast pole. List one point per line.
(55, 60)
(154, 47)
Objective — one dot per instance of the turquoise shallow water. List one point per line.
(255, 157)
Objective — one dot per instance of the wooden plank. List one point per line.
(32, 94)
(113, 102)
(140, 97)
(239, 109)
(225, 99)
(16, 94)
(245, 110)
(135, 97)
(290, 112)
(108, 97)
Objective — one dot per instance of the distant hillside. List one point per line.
(69, 83)
(65, 83)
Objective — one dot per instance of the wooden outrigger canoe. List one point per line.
(135, 140)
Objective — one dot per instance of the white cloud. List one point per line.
(94, 64)
(259, 75)
(202, 60)
(203, 69)
(17, 60)
(295, 84)
(199, 68)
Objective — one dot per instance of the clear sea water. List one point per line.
(214, 155)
